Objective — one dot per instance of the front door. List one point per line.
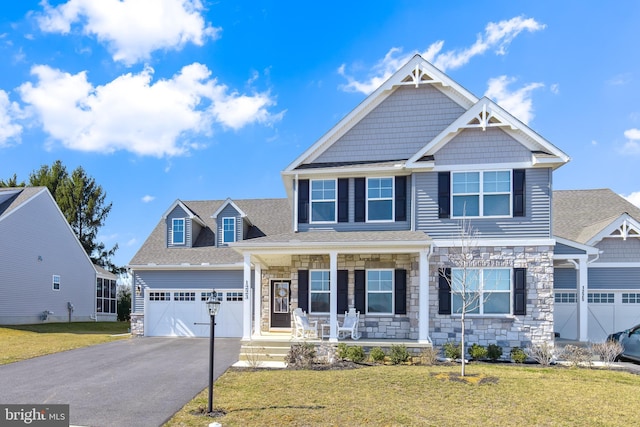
(280, 298)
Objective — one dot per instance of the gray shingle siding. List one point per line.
(567, 250)
(475, 146)
(618, 250)
(536, 223)
(397, 128)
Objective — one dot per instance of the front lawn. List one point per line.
(421, 396)
(26, 341)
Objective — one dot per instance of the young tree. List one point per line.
(463, 280)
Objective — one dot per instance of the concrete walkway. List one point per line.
(136, 382)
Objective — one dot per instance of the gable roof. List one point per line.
(268, 217)
(226, 203)
(13, 198)
(189, 212)
(581, 215)
(487, 114)
(416, 72)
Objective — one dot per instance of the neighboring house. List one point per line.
(188, 255)
(106, 295)
(596, 264)
(46, 274)
(373, 209)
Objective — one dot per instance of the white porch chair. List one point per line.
(303, 328)
(349, 326)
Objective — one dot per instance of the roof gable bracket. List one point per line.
(420, 76)
(485, 119)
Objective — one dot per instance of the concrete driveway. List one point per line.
(136, 382)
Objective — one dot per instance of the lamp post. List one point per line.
(213, 305)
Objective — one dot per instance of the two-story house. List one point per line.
(378, 204)
(373, 210)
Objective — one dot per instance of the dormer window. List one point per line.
(177, 231)
(323, 201)
(228, 230)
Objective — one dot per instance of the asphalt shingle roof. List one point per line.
(578, 215)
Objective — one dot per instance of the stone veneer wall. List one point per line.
(371, 326)
(137, 324)
(535, 327)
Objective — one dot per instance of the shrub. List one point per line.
(377, 355)
(452, 350)
(543, 353)
(398, 354)
(607, 351)
(355, 354)
(576, 355)
(477, 352)
(518, 355)
(429, 355)
(494, 352)
(301, 355)
(342, 352)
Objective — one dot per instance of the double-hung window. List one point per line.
(319, 291)
(487, 290)
(177, 235)
(380, 291)
(380, 199)
(323, 200)
(228, 230)
(55, 282)
(481, 194)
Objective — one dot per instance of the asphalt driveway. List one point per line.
(137, 382)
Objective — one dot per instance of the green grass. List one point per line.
(421, 396)
(26, 341)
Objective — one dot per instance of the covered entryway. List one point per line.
(183, 313)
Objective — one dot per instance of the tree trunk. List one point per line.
(462, 346)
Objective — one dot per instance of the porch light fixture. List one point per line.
(213, 305)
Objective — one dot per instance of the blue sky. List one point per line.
(166, 99)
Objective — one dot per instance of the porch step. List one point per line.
(257, 352)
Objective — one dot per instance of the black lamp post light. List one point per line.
(213, 305)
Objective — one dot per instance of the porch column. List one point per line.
(423, 298)
(583, 302)
(333, 296)
(246, 300)
(257, 299)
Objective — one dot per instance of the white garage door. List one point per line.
(609, 311)
(183, 313)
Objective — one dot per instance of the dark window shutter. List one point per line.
(359, 290)
(360, 199)
(343, 290)
(444, 291)
(303, 289)
(401, 291)
(303, 201)
(520, 291)
(343, 200)
(401, 198)
(444, 194)
(519, 192)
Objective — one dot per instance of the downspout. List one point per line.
(295, 204)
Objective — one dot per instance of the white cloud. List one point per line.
(620, 79)
(9, 112)
(148, 198)
(632, 146)
(135, 114)
(132, 29)
(518, 102)
(497, 36)
(555, 88)
(634, 198)
(132, 241)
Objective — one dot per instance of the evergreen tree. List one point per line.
(11, 182)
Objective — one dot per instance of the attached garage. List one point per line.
(183, 313)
